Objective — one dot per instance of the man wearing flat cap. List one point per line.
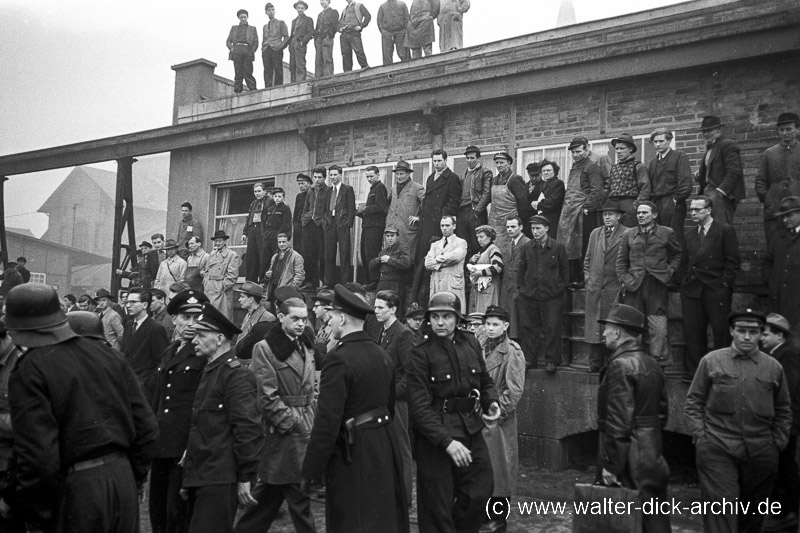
(373, 220)
(176, 382)
(786, 490)
(632, 410)
(301, 35)
(351, 441)
(250, 296)
(740, 413)
(391, 266)
(779, 172)
(628, 182)
(225, 438)
(222, 271)
(171, 269)
(442, 197)
(476, 193)
(720, 176)
(670, 181)
(404, 200)
(242, 43)
(781, 268)
(509, 197)
(84, 433)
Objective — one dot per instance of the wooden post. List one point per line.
(123, 217)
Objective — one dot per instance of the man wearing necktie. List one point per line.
(711, 262)
(720, 175)
(670, 181)
(337, 222)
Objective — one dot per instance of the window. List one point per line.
(38, 277)
(232, 205)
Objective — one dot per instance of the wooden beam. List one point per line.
(123, 219)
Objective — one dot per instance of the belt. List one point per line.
(241, 44)
(93, 463)
(461, 404)
(297, 401)
(646, 422)
(379, 414)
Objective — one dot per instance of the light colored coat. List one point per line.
(219, 279)
(602, 285)
(508, 286)
(171, 270)
(287, 426)
(400, 208)
(451, 24)
(293, 273)
(506, 366)
(449, 274)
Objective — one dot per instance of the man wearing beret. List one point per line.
(476, 193)
(351, 441)
(225, 435)
(720, 175)
(242, 43)
(302, 32)
(84, 434)
(670, 181)
(781, 267)
(740, 412)
(649, 256)
(177, 379)
(779, 172)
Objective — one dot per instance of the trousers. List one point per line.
(651, 300)
(243, 71)
(259, 517)
(323, 60)
(337, 238)
(313, 252)
(713, 308)
(253, 260)
(212, 508)
(273, 67)
(350, 42)
(297, 61)
(540, 324)
(167, 508)
(390, 41)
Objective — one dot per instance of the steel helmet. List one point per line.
(86, 324)
(445, 301)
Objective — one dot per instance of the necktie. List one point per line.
(445, 242)
(334, 196)
(383, 332)
(702, 231)
(298, 346)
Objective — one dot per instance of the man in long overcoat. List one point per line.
(602, 284)
(720, 175)
(782, 264)
(442, 197)
(287, 397)
(221, 273)
(373, 219)
(391, 267)
(508, 285)
(405, 199)
(420, 32)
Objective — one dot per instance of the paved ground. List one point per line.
(535, 487)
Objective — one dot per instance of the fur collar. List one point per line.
(280, 344)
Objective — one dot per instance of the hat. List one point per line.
(211, 319)
(774, 320)
(497, 311)
(86, 324)
(219, 234)
(625, 316)
(402, 165)
(539, 219)
(785, 118)
(503, 155)
(349, 303)
(34, 316)
(533, 168)
(445, 301)
(472, 149)
(747, 314)
(475, 317)
(145, 244)
(300, 3)
(304, 177)
(277, 190)
(415, 311)
(102, 293)
(252, 288)
(188, 301)
(392, 229)
(242, 11)
(790, 204)
(170, 244)
(325, 296)
(710, 122)
(626, 138)
(158, 292)
(612, 205)
(578, 141)
(284, 293)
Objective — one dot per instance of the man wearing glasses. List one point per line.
(143, 340)
(711, 261)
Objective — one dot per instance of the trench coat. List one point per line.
(420, 30)
(508, 286)
(602, 285)
(287, 399)
(451, 24)
(402, 206)
(219, 279)
(449, 275)
(506, 366)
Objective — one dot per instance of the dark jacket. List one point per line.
(396, 268)
(11, 278)
(542, 272)
(725, 170)
(786, 354)
(393, 16)
(70, 402)
(327, 24)
(671, 176)
(302, 30)
(480, 192)
(314, 207)
(713, 262)
(376, 208)
(225, 438)
(299, 205)
(345, 207)
(443, 368)
(143, 350)
(658, 254)
(149, 269)
(632, 409)
(277, 218)
(247, 47)
(256, 206)
(550, 207)
(782, 273)
(442, 197)
(25, 273)
(397, 341)
(778, 176)
(591, 182)
(177, 379)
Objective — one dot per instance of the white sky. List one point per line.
(76, 70)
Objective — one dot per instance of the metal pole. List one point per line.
(3, 242)
(123, 216)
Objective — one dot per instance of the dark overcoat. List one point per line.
(442, 197)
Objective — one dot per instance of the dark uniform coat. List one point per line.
(442, 197)
(782, 272)
(225, 437)
(366, 495)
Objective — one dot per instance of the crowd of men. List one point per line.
(408, 33)
(226, 416)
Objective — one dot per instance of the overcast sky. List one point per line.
(76, 70)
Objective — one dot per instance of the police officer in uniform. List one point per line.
(448, 387)
(351, 442)
(225, 436)
(84, 434)
(177, 379)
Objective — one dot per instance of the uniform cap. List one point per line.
(747, 315)
(188, 301)
(497, 311)
(503, 155)
(211, 319)
(349, 303)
